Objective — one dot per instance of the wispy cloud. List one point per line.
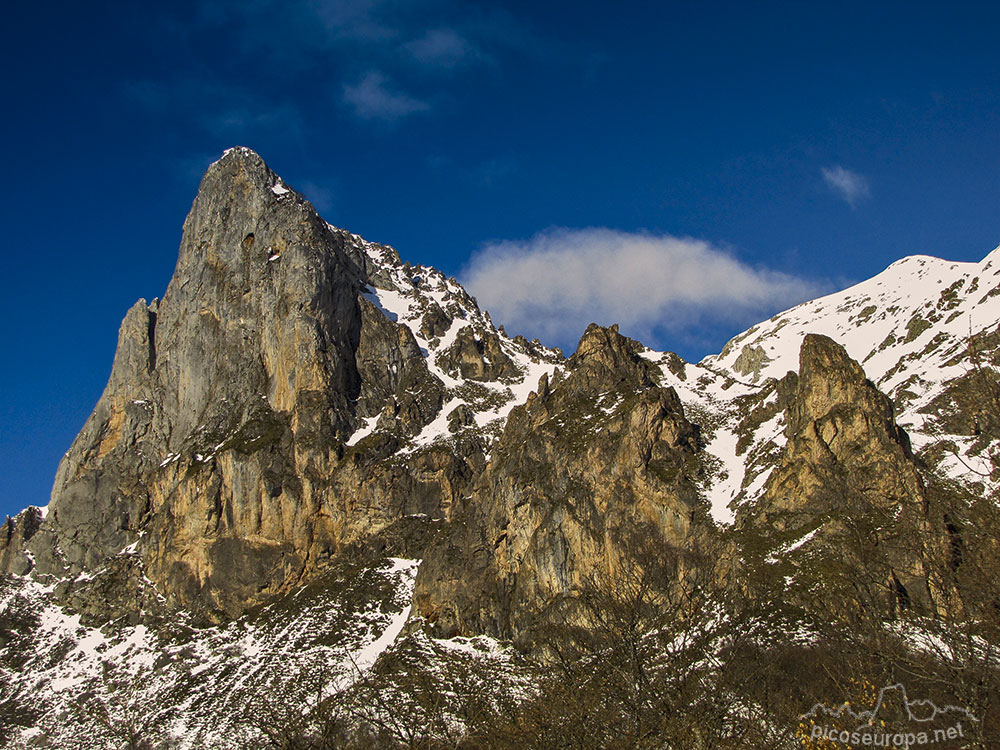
(484, 174)
(372, 99)
(359, 20)
(426, 48)
(218, 107)
(850, 186)
(269, 118)
(554, 284)
(442, 48)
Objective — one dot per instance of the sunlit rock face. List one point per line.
(597, 456)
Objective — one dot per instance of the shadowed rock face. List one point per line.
(591, 459)
(478, 357)
(218, 444)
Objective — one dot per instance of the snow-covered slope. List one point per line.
(198, 685)
(437, 310)
(226, 687)
(912, 327)
(741, 425)
(906, 326)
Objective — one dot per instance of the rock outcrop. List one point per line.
(594, 458)
(842, 436)
(846, 488)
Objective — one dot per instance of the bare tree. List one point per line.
(123, 711)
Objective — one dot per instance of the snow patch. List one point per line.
(366, 429)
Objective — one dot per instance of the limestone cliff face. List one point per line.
(594, 457)
(217, 451)
(17, 533)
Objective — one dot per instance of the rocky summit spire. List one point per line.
(191, 450)
(262, 309)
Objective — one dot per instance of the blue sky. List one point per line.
(710, 162)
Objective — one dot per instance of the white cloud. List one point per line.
(554, 284)
(850, 186)
(372, 99)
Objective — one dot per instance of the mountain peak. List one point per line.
(239, 152)
(240, 160)
(246, 165)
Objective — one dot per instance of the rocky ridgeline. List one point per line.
(301, 402)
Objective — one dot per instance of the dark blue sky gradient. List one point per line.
(483, 122)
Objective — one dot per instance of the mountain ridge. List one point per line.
(302, 406)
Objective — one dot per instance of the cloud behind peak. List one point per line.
(554, 284)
